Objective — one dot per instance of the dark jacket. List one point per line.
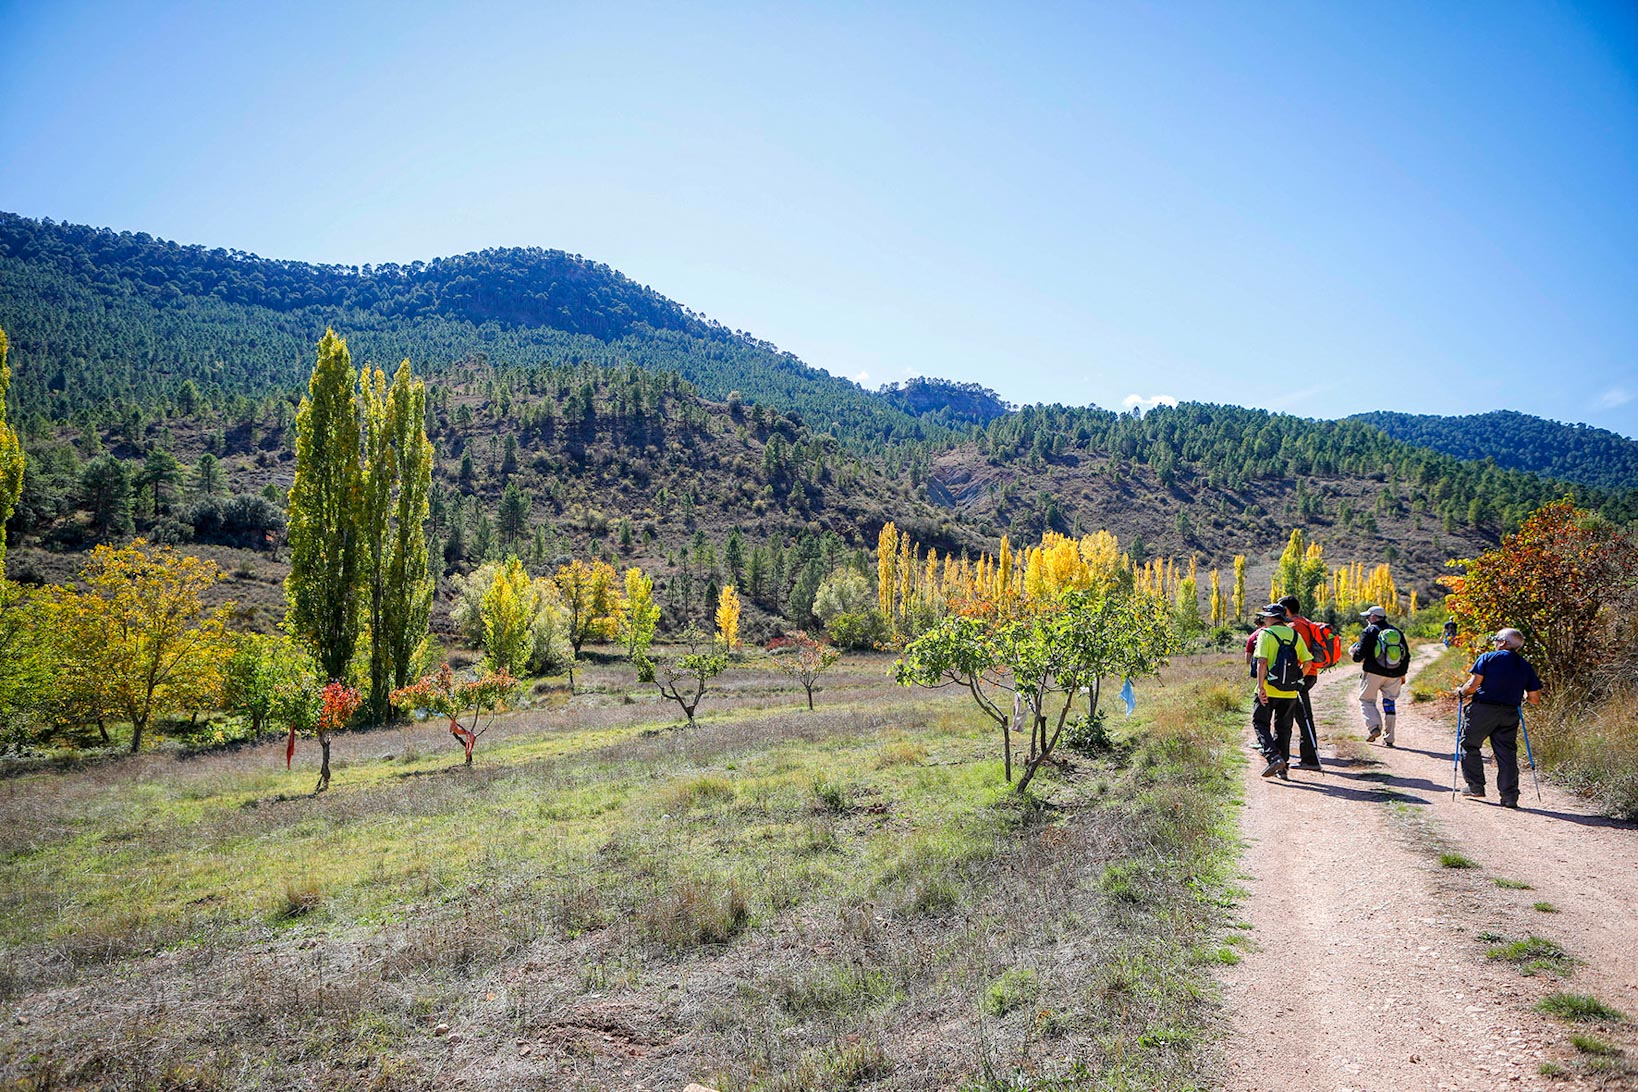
(1365, 653)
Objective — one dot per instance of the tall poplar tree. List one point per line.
(396, 479)
(11, 457)
(326, 499)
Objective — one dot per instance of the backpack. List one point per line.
(1323, 642)
(1391, 652)
(1285, 673)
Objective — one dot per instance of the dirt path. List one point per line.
(1368, 970)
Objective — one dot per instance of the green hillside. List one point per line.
(1518, 441)
(630, 426)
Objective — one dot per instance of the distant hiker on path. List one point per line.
(1385, 656)
(1450, 632)
(1278, 659)
(1498, 682)
(1308, 738)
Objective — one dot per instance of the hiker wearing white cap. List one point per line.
(1385, 656)
(1499, 683)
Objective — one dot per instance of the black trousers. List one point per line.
(1272, 720)
(1500, 725)
(1307, 727)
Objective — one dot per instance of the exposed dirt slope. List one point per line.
(1370, 971)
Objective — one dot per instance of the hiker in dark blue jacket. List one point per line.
(1499, 682)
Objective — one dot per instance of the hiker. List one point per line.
(1450, 632)
(1385, 657)
(1251, 647)
(1499, 682)
(1308, 737)
(1278, 660)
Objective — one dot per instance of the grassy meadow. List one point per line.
(776, 899)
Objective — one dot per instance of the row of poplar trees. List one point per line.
(357, 522)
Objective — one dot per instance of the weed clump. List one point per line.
(696, 792)
(1578, 1007)
(1534, 955)
(1592, 1044)
(692, 912)
(1016, 987)
(1511, 885)
(1456, 860)
(300, 898)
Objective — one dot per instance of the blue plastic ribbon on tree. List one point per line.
(1128, 696)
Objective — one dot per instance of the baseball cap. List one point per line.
(1375, 612)
(1273, 610)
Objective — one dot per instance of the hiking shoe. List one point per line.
(1514, 804)
(1308, 766)
(1283, 775)
(1387, 743)
(1274, 766)
(1473, 794)
(1374, 733)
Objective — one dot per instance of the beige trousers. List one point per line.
(1369, 687)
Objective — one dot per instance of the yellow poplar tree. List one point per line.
(11, 457)
(728, 617)
(639, 614)
(1239, 586)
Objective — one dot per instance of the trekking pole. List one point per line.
(1528, 754)
(1456, 755)
(1313, 736)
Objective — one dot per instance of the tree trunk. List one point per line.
(136, 736)
(810, 699)
(102, 730)
(324, 766)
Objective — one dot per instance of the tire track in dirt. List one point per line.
(1367, 971)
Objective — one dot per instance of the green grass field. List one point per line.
(777, 899)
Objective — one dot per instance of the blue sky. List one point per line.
(1322, 209)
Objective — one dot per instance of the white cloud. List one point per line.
(1143, 405)
(862, 378)
(1615, 396)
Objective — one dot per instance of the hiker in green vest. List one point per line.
(1279, 657)
(1384, 654)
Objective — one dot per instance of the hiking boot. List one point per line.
(1283, 775)
(1306, 765)
(1470, 793)
(1514, 804)
(1388, 743)
(1374, 733)
(1274, 766)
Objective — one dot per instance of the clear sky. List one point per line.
(1322, 209)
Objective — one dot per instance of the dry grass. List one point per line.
(1591, 746)
(778, 899)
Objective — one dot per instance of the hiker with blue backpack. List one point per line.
(1278, 660)
(1384, 654)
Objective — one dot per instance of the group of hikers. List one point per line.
(1287, 651)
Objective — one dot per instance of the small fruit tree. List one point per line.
(803, 659)
(319, 715)
(442, 693)
(685, 677)
(1042, 655)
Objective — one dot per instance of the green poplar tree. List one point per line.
(326, 499)
(397, 484)
(11, 457)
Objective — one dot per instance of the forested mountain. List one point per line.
(1518, 441)
(619, 421)
(102, 321)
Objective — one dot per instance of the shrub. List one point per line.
(692, 912)
(1016, 987)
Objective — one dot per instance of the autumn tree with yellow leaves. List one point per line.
(140, 636)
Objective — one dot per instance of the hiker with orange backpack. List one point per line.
(1325, 646)
(1384, 654)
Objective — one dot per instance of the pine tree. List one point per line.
(325, 503)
